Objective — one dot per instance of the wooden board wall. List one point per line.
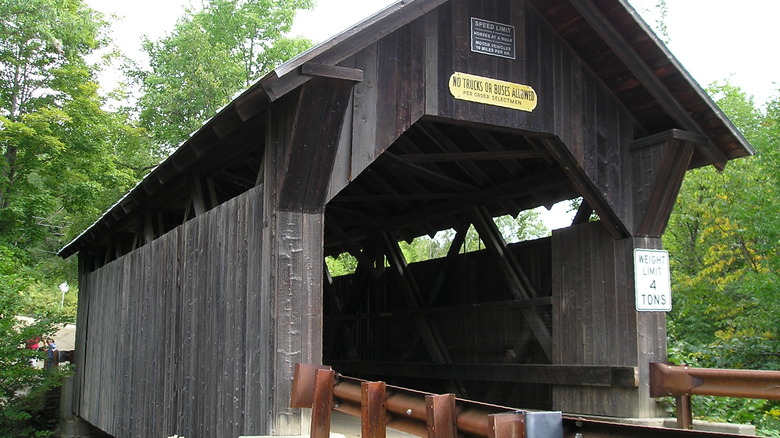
(595, 321)
(406, 78)
(476, 317)
(174, 337)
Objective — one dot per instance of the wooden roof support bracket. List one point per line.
(321, 109)
(585, 187)
(332, 71)
(705, 146)
(663, 170)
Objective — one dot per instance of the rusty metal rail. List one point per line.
(682, 382)
(428, 415)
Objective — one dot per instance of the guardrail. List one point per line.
(682, 382)
(379, 405)
(435, 416)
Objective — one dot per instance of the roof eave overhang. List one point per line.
(257, 98)
(291, 75)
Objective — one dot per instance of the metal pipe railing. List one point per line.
(682, 382)
(443, 416)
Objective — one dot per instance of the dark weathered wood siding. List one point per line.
(466, 303)
(406, 78)
(174, 337)
(596, 322)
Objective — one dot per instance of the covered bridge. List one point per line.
(203, 286)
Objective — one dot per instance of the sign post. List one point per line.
(64, 288)
(652, 280)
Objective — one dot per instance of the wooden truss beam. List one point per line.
(661, 162)
(489, 142)
(586, 188)
(452, 253)
(443, 142)
(517, 280)
(475, 156)
(414, 300)
(396, 162)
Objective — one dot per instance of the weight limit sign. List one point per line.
(651, 280)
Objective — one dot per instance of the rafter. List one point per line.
(653, 84)
(474, 156)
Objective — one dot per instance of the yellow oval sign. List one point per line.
(492, 92)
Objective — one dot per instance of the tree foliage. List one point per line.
(209, 56)
(64, 158)
(723, 237)
(526, 226)
(23, 387)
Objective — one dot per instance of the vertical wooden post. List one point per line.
(290, 279)
(440, 410)
(372, 413)
(323, 403)
(684, 412)
(508, 425)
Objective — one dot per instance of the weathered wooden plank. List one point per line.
(257, 377)
(417, 74)
(342, 166)
(364, 130)
(430, 62)
(312, 151)
(596, 292)
(332, 71)
(388, 96)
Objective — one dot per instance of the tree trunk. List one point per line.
(7, 174)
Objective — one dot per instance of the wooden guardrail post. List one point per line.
(507, 425)
(422, 414)
(373, 416)
(323, 403)
(684, 412)
(441, 416)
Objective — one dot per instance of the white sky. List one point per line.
(713, 39)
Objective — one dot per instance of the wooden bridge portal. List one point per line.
(202, 287)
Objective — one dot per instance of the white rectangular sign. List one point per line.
(652, 280)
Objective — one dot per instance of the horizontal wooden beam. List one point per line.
(475, 156)
(566, 375)
(332, 71)
(513, 189)
(397, 162)
(672, 134)
(449, 310)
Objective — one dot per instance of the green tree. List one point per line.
(22, 386)
(41, 43)
(209, 56)
(723, 240)
(65, 159)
